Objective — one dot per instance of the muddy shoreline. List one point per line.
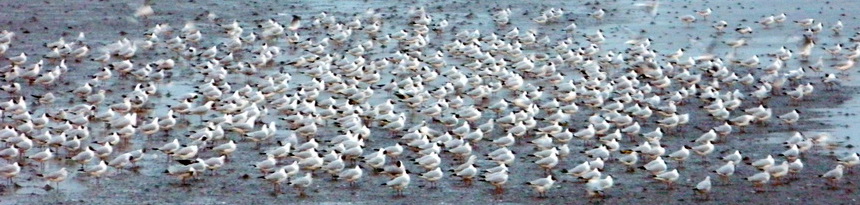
(237, 183)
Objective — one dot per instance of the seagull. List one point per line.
(19, 59)
(598, 14)
(276, 178)
(726, 170)
(42, 157)
(398, 183)
(764, 163)
(597, 187)
(687, 19)
(704, 149)
(467, 174)
(301, 183)
(96, 170)
(497, 179)
(268, 164)
(834, 175)
(744, 30)
(10, 171)
(704, 13)
(668, 177)
(850, 160)
(295, 24)
(432, 176)
(805, 23)
(541, 185)
(720, 26)
(767, 21)
(837, 27)
(187, 152)
(169, 148)
(681, 155)
(778, 171)
(780, 18)
(351, 175)
(795, 167)
(759, 179)
(56, 176)
(704, 187)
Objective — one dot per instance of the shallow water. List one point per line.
(103, 20)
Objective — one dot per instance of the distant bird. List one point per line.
(542, 185)
(301, 183)
(668, 177)
(834, 175)
(10, 171)
(351, 175)
(598, 14)
(96, 171)
(687, 19)
(598, 187)
(744, 30)
(295, 24)
(55, 176)
(704, 187)
(276, 178)
(759, 179)
(398, 183)
(705, 13)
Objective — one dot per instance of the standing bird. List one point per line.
(759, 180)
(56, 176)
(726, 170)
(704, 187)
(498, 179)
(837, 27)
(790, 118)
(432, 176)
(598, 15)
(467, 174)
(96, 170)
(668, 177)
(183, 172)
(399, 183)
(301, 183)
(350, 175)
(41, 157)
(10, 171)
(833, 176)
(542, 185)
(596, 187)
(276, 178)
(720, 26)
(295, 24)
(850, 160)
(688, 20)
(705, 13)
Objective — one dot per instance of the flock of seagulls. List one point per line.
(342, 98)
